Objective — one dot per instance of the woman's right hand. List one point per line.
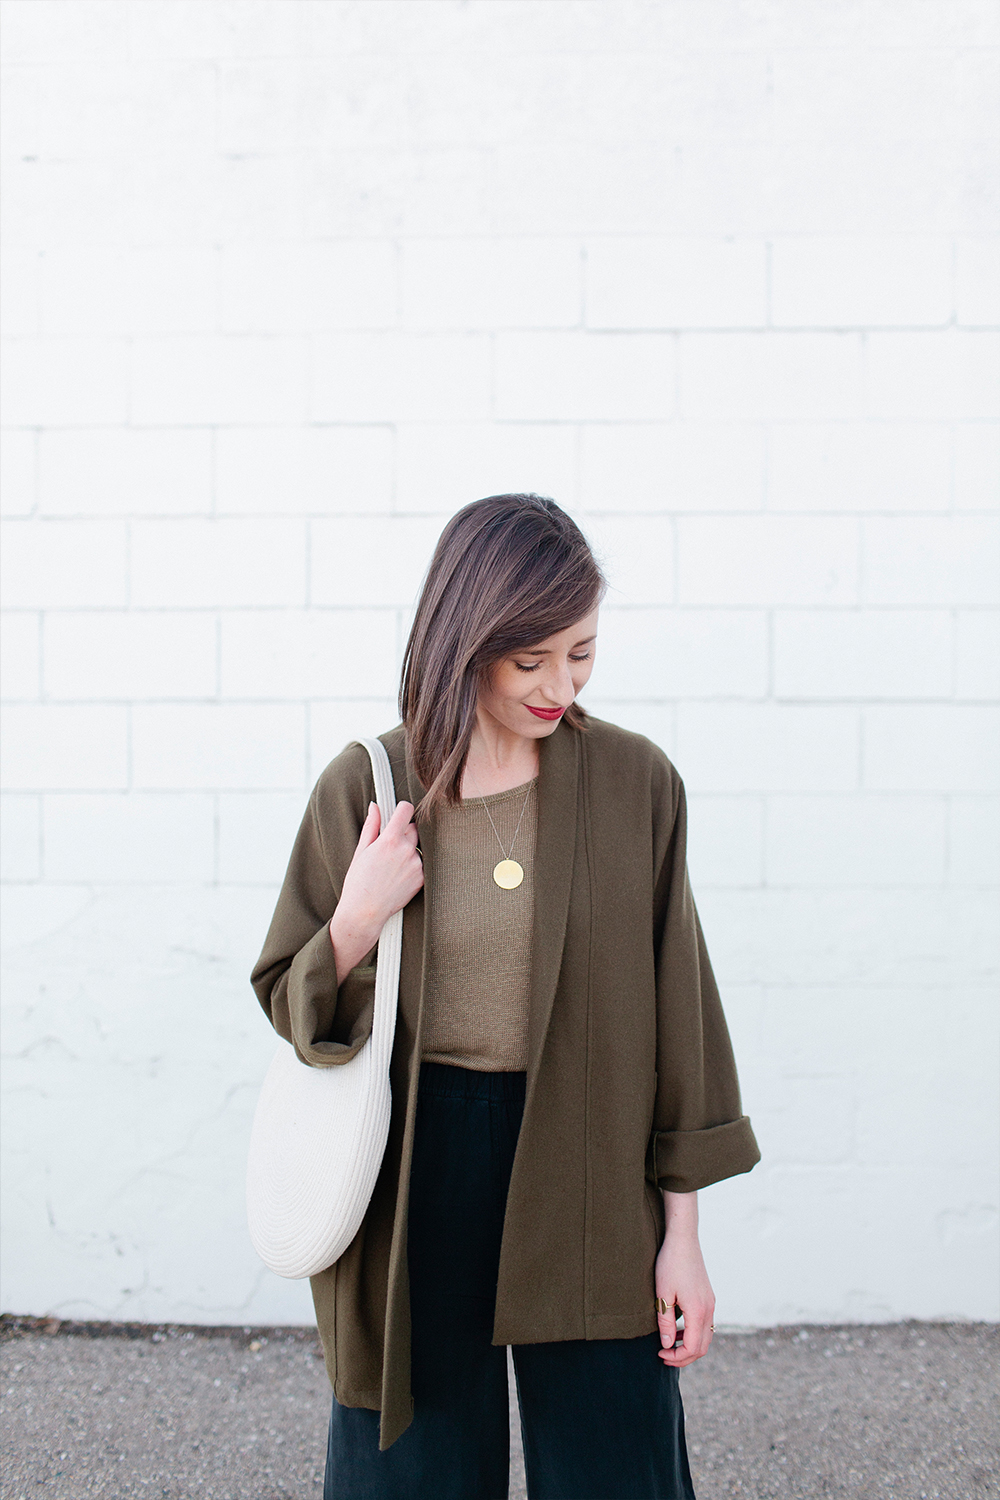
(385, 873)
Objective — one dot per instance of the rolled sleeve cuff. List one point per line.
(681, 1161)
(318, 1007)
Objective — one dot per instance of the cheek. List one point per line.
(581, 673)
(508, 683)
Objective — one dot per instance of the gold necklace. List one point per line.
(508, 874)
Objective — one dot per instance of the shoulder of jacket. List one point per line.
(350, 773)
(626, 750)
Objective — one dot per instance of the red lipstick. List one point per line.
(545, 713)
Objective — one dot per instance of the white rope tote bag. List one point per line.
(319, 1133)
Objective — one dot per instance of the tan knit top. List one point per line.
(479, 957)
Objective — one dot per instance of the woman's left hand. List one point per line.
(682, 1284)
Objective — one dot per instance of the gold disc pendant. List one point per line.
(508, 874)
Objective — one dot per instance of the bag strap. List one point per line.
(390, 943)
(385, 789)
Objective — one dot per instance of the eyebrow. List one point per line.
(544, 650)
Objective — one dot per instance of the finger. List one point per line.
(400, 818)
(695, 1337)
(666, 1319)
(696, 1334)
(676, 1359)
(678, 1354)
(705, 1327)
(370, 827)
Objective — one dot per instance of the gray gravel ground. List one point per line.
(902, 1410)
(907, 1410)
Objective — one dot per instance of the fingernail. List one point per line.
(370, 806)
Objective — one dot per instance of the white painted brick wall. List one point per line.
(49, 563)
(131, 655)
(864, 653)
(417, 377)
(303, 470)
(310, 654)
(438, 465)
(974, 841)
(21, 845)
(65, 747)
(977, 458)
(138, 836)
(861, 467)
(568, 377)
(648, 282)
(286, 283)
(125, 471)
(850, 281)
(228, 562)
(227, 746)
(767, 559)
(500, 283)
(932, 560)
(697, 466)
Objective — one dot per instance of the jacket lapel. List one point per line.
(555, 847)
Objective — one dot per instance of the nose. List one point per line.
(561, 688)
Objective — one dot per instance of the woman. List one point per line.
(562, 1077)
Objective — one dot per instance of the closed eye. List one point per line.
(535, 665)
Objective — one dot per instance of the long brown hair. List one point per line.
(507, 572)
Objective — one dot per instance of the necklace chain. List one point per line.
(506, 854)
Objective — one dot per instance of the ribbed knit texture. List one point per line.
(479, 959)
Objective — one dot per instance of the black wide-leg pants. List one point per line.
(601, 1419)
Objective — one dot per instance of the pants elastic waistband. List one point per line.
(447, 1082)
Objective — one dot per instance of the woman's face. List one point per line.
(545, 677)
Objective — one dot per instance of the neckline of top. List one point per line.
(493, 797)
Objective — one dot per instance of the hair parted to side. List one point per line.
(507, 572)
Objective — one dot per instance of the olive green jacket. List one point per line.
(631, 1083)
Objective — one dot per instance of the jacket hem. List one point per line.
(347, 1397)
(622, 1325)
(596, 1326)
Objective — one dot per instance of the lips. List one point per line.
(545, 713)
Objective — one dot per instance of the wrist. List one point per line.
(353, 927)
(681, 1216)
(680, 1236)
(350, 940)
